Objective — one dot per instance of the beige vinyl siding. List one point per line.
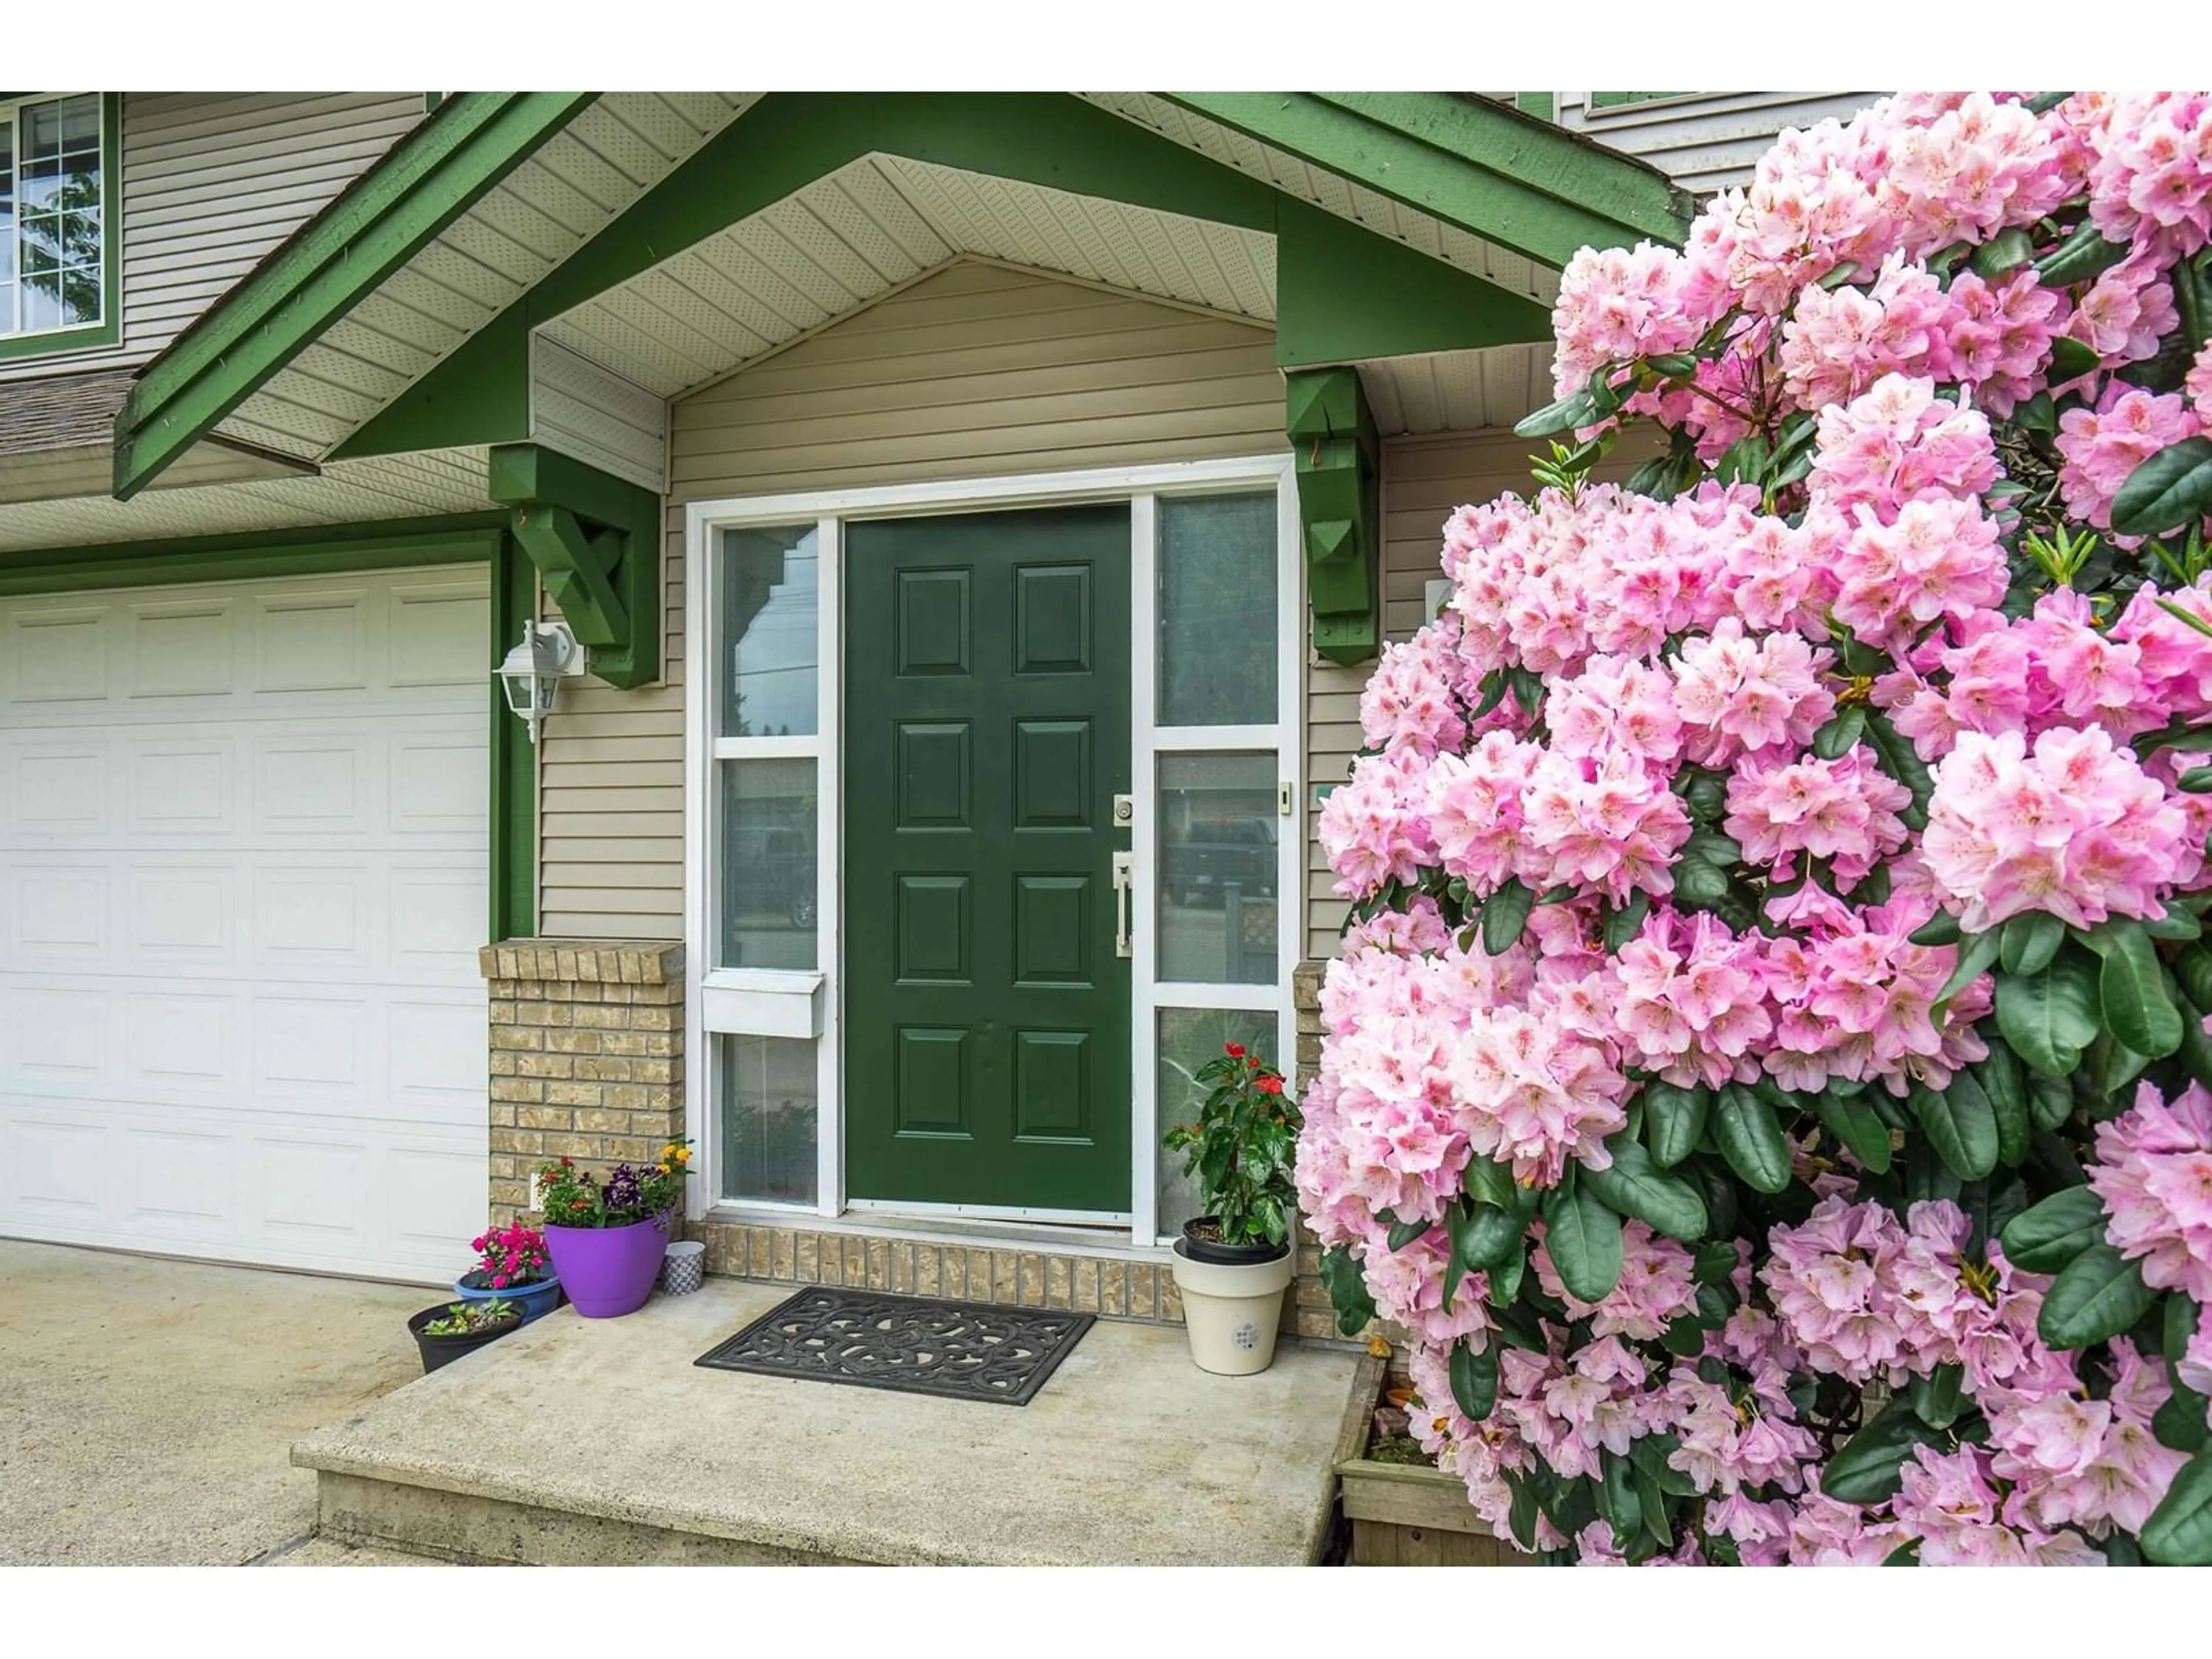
(1706, 141)
(977, 371)
(1424, 481)
(212, 182)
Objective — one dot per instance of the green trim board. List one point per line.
(513, 870)
(378, 223)
(595, 540)
(1474, 162)
(401, 544)
(108, 331)
(380, 546)
(1332, 434)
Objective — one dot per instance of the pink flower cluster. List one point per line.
(2102, 447)
(2153, 1171)
(1842, 811)
(2073, 827)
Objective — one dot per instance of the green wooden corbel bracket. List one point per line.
(1339, 509)
(595, 540)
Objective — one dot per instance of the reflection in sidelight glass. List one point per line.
(769, 812)
(1217, 596)
(767, 1119)
(1188, 1038)
(1219, 866)
(771, 591)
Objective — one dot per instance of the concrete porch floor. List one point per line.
(579, 1441)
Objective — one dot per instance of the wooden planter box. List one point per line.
(1405, 1515)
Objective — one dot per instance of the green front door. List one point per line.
(987, 732)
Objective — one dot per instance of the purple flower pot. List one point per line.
(608, 1270)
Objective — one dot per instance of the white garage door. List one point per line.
(243, 856)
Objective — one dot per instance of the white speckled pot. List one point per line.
(1230, 1311)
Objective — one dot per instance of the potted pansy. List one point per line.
(1233, 1263)
(607, 1237)
(511, 1264)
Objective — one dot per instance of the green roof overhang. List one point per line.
(386, 216)
(1493, 172)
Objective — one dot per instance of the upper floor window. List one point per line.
(57, 206)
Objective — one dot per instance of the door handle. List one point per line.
(1125, 887)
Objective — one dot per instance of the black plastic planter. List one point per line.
(444, 1350)
(1228, 1256)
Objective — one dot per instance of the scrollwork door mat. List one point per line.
(912, 1344)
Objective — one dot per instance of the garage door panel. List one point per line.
(314, 641)
(436, 632)
(59, 654)
(243, 852)
(183, 648)
(183, 789)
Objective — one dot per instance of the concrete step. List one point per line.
(583, 1442)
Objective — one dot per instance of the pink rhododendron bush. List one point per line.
(1765, 1070)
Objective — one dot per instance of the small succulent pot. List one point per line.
(440, 1351)
(537, 1299)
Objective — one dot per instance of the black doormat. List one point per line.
(912, 1343)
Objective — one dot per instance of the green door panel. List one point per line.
(987, 732)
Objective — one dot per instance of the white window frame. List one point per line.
(774, 1002)
(11, 118)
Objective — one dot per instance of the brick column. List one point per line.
(1316, 1319)
(586, 1057)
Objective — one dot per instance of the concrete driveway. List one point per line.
(148, 1407)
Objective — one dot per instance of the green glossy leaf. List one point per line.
(1622, 925)
(2133, 990)
(1504, 1280)
(2180, 1423)
(1939, 1398)
(1583, 1238)
(1853, 1122)
(1347, 1290)
(2176, 923)
(1978, 954)
(2003, 251)
(1483, 1235)
(1618, 1499)
(2049, 1100)
(1942, 928)
(2070, 359)
(2050, 1018)
(1635, 1185)
(2179, 1317)
(1868, 1469)
(2080, 258)
(1521, 1516)
(1489, 1181)
(2096, 1295)
(2029, 940)
(1843, 731)
(2046, 1237)
(2179, 1531)
(1504, 915)
(1750, 1139)
(1673, 1120)
(2172, 490)
(2193, 967)
(2004, 1080)
(1403, 1233)
(1958, 1124)
(1474, 1380)
(1578, 409)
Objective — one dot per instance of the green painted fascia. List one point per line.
(480, 394)
(1343, 294)
(514, 870)
(379, 223)
(109, 329)
(1495, 172)
(393, 544)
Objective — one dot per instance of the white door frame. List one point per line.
(792, 1003)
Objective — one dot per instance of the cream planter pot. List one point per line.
(1230, 1311)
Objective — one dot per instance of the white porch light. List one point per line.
(533, 671)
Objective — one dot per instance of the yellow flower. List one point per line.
(1379, 1348)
